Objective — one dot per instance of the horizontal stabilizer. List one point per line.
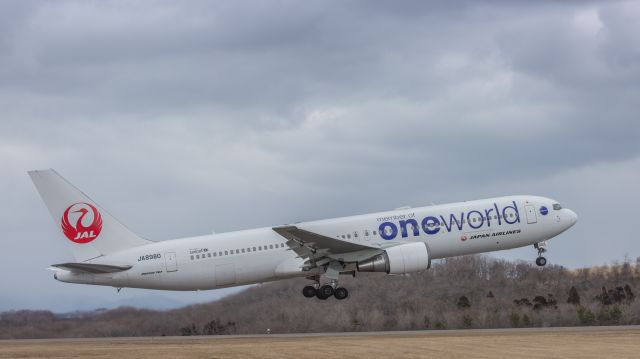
(91, 268)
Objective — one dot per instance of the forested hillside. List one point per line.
(465, 292)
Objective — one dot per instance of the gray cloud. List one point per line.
(186, 118)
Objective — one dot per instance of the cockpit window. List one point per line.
(557, 206)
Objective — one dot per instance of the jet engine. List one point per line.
(404, 258)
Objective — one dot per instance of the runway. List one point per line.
(581, 342)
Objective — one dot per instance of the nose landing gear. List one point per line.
(541, 261)
(542, 248)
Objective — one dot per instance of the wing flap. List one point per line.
(307, 241)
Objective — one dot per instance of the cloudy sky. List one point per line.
(191, 117)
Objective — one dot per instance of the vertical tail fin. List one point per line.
(89, 229)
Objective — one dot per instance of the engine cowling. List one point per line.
(405, 258)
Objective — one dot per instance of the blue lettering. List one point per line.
(434, 222)
(414, 226)
(498, 213)
(383, 232)
(488, 213)
(506, 217)
(470, 221)
(432, 225)
(453, 219)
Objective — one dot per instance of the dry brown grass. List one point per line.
(572, 343)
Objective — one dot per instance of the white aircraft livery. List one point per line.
(401, 241)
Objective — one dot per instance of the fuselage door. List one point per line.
(170, 261)
(531, 214)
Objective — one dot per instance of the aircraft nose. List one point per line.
(573, 217)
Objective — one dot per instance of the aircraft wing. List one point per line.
(316, 246)
(91, 267)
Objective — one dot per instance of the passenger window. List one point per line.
(215, 254)
(226, 253)
(197, 256)
(281, 245)
(254, 249)
(375, 233)
(557, 206)
(349, 236)
(271, 246)
(220, 253)
(343, 236)
(242, 250)
(209, 255)
(191, 257)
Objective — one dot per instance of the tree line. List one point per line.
(465, 292)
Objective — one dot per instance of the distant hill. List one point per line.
(464, 292)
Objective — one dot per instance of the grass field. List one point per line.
(535, 343)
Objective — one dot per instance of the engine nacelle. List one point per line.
(405, 258)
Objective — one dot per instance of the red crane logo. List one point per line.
(81, 233)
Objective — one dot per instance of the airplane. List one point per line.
(401, 241)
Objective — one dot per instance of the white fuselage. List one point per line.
(261, 255)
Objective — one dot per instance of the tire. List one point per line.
(341, 293)
(309, 291)
(324, 292)
(541, 261)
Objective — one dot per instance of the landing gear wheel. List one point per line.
(309, 291)
(340, 293)
(324, 292)
(541, 261)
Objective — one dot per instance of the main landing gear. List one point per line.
(325, 291)
(309, 291)
(541, 247)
